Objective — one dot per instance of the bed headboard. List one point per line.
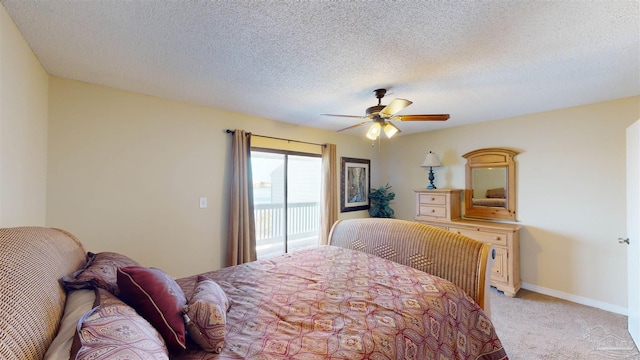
(32, 260)
(457, 258)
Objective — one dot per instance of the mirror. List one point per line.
(490, 184)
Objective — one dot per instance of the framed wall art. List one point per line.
(355, 178)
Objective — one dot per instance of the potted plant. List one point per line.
(380, 199)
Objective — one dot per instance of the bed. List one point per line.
(361, 297)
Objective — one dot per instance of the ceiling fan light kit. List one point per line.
(374, 131)
(381, 115)
(378, 127)
(390, 130)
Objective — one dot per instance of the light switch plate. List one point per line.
(203, 202)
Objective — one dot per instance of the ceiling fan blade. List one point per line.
(432, 117)
(394, 106)
(347, 116)
(353, 126)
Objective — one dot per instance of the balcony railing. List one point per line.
(303, 225)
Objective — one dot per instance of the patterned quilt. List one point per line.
(333, 303)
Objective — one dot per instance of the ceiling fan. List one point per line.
(381, 114)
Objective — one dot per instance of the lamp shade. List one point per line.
(390, 130)
(374, 131)
(431, 160)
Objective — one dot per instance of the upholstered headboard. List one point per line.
(32, 260)
(457, 258)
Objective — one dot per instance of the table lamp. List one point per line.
(431, 161)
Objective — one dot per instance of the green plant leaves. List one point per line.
(380, 199)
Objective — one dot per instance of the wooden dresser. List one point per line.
(440, 205)
(441, 208)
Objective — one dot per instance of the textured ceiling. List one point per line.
(292, 61)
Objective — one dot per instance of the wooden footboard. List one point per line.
(451, 256)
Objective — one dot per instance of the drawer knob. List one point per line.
(433, 199)
(433, 210)
(496, 238)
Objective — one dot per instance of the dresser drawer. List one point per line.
(437, 204)
(433, 199)
(484, 236)
(434, 211)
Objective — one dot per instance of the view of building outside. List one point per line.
(301, 215)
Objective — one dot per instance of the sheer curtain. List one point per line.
(329, 202)
(241, 244)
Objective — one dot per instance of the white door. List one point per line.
(633, 229)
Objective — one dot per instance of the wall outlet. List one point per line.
(203, 202)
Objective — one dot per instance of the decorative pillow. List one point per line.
(495, 193)
(206, 315)
(77, 304)
(100, 271)
(158, 298)
(114, 330)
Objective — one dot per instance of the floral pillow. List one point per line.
(206, 315)
(114, 330)
(100, 271)
(158, 298)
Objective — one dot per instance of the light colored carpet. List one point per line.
(533, 326)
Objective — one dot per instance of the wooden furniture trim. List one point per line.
(491, 157)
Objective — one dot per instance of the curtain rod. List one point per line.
(277, 138)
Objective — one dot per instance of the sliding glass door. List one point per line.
(286, 195)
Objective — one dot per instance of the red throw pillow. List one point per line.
(158, 298)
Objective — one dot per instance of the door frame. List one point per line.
(633, 230)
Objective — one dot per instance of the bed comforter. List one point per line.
(334, 303)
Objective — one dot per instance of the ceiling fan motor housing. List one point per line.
(374, 110)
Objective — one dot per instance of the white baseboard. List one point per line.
(577, 299)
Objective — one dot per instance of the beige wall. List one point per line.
(570, 186)
(23, 130)
(126, 172)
